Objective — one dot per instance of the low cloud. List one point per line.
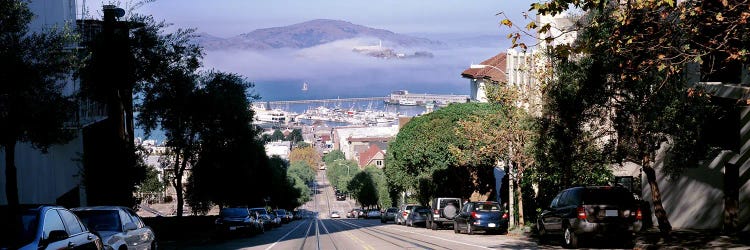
(333, 69)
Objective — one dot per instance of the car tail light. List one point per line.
(437, 211)
(581, 213)
(638, 214)
(505, 215)
(404, 213)
(474, 215)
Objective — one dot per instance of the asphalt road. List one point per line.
(318, 231)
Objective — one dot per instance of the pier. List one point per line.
(400, 97)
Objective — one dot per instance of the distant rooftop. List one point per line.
(489, 73)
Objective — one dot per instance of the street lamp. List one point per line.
(481, 66)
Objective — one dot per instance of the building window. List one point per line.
(379, 163)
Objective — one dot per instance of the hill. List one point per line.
(310, 34)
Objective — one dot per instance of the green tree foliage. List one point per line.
(340, 172)
(381, 186)
(420, 158)
(295, 136)
(363, 189)
(168, 64)
(333, 156)
(277, 135)
(152, 183)
(34, 69)
(302, 171)
(571, 126)
(229, 155)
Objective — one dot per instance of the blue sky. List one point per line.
(226, 18)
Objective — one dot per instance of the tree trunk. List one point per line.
(177, 184)
(11, 176)
(511, 197)
(520, 203)
(661, 214)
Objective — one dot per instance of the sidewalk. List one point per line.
(692, 239)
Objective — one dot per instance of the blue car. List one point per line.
(486, 216)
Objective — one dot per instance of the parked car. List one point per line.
(592, 211)
(372, 214)
(355, 213)
(275, 219)
(283, 215)
(389, 215)
(417, 216)
(403, 213)
(487, 216)
(340, 197)
(238, 219)
(119, 227)
(45, 227)
(335, 214)
(443, 212)
(264, 217)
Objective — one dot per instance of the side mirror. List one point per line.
(57, 235)
(130, 226)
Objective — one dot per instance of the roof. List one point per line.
(369, 139)
(490, 73)
(366, 156)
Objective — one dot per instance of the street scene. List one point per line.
(327, 124)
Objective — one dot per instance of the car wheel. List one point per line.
(154, 245)
(455, 228)
(468, 228)
(434, 226)
(570, 238)
(409, 223)
(382, 221)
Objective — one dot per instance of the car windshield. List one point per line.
(487, 207)
(233, 212)
(608, 197)
(392, 210)
(12, 239)
(100, 220)
(281, 212)
(445, 202)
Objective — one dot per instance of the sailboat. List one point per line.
(304, 86)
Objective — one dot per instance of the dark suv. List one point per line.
(443, 212)
(581, 212)
(237, 219)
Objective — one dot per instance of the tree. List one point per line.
(229, 154)
(340, 172)
(295, 136)
(308, 155)
(277, 135)
(363, 189)
(301, 170)
(646, 49)
(333, 156)
(170, 62)
(35, 68)
(381, 186)
(421, 160)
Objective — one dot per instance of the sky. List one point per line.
(470, 27)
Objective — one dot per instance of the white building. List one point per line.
(281, 149)
(54, 177)
(352, 140)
